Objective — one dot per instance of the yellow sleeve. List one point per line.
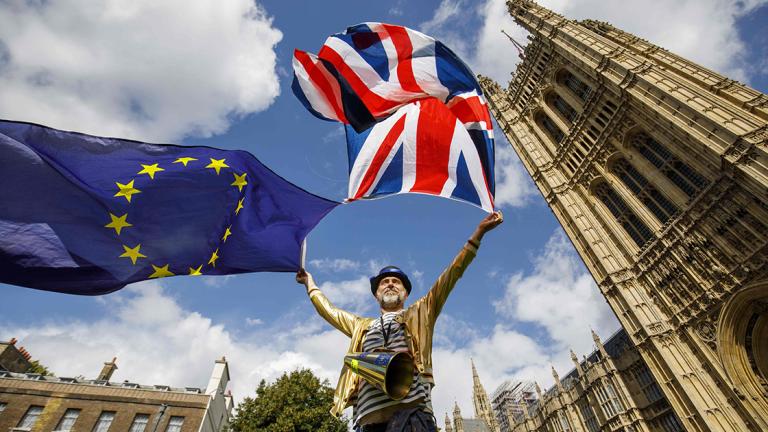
(342, 320)
(434, 300)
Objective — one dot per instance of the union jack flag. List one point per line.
(415, 117)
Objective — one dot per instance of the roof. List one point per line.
(475, 425)
(100, 383)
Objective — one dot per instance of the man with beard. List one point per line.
(396, 329)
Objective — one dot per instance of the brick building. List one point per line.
(36, 403)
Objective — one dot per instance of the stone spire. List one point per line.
(556, 377)
(458, 422)
(448, 425)
(483, 408)
(599, 344)
(576, 362)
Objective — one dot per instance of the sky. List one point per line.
(218, 74)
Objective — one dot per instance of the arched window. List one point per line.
(682, 175)
(550, 128)
(559, 104)
(635, 227)
(656, 202)
(578, 87)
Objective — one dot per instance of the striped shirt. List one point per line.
(370, 398)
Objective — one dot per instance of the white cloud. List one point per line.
(156, 70)
(354, 294)
(514, 187)
(157, 341)
(495, 56)
(217, 281)
(253, 321)
(559, 295)
(334, 264)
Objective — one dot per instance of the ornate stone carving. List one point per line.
(707, 331)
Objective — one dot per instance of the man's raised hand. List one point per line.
(488, 223)
(303, 277)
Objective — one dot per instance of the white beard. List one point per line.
(390, 300)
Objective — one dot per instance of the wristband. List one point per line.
(474, 243)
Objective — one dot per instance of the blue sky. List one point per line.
(211, 74)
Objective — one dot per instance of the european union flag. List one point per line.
(81, 214)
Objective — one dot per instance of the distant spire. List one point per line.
(448, 425)
(556, 377)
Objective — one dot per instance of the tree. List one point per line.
(36, 367)
(298, 401)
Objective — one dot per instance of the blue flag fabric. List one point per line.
(81, 214)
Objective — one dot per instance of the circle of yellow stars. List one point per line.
(129, 189)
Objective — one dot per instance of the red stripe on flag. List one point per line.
(404, 47)
(380, 156)
(331, 93)
(377, 105)
(434, 134)
(470, 110)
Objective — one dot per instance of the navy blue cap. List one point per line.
(390, 271)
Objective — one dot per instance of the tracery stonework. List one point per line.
(657, 169)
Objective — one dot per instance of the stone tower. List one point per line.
(657, 170)
(483, 410)
(458, 422)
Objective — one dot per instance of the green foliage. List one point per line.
(298, 401)
(36, 367)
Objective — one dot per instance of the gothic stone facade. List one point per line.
(610, 390)
(657, 170)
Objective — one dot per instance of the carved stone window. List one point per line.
(577, 86)
(632, 224)
(608, 400)
(550, 128)
(646, 382)
(682, 175)
(646, 192)
(589, 416)
(567, 111)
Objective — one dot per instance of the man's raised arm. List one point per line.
(342, 320)
(438, 294)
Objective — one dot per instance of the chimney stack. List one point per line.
(219, 377)
(24, 353)
(108, 369)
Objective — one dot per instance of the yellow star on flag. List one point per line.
(239, 206)
(132, 253)
(118, 223)
(160, 272)
(126, 190)
(227, 233)
(184, 160)
(150, 170)
(239, 181)
(196, 271)
(214, 257)
(217, 164)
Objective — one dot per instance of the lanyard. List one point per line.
(386, 333)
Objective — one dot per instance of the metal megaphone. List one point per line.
(390, 371)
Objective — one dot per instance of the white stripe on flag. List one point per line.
(409, 146)
(372, 144)
(313, 94)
